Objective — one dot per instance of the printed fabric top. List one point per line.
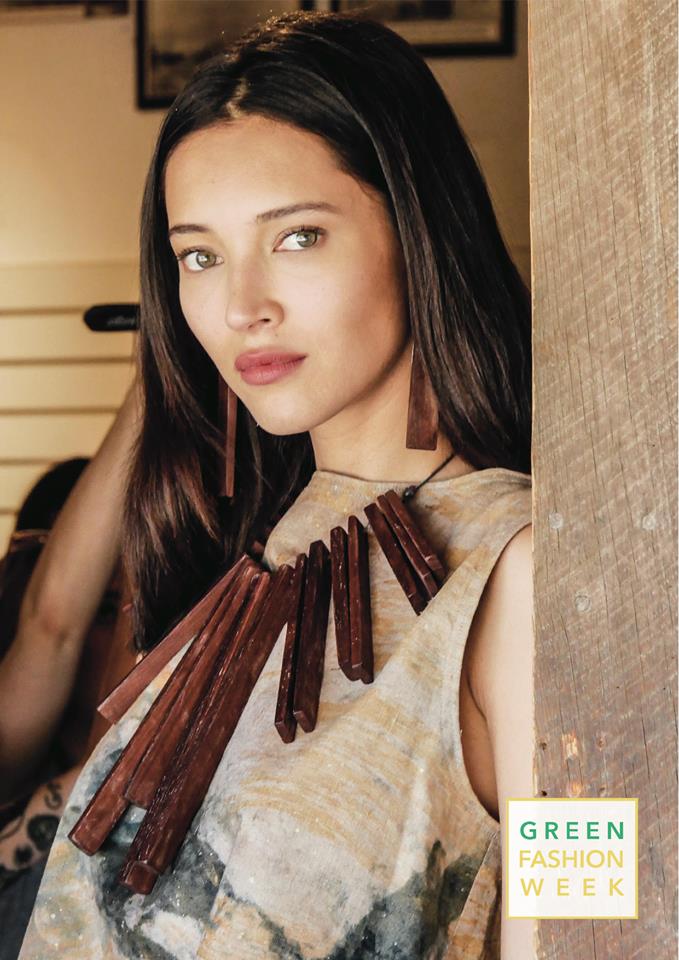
(360, 839)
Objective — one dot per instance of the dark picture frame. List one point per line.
(173, 36)
(58, 11)
(440, 28)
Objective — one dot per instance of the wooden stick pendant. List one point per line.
(169, 762)
(312, 636)
(153, 841)
(146, 857)
(187, 780)
(360, 620)
(398, 561)
(285, 721)
(416, 534)
(339, 565)
(109, 802)
(409, 547)
(126, 692)
(179, 717)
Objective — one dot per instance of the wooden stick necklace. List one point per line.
(169, 762)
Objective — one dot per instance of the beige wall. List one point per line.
(72, 163)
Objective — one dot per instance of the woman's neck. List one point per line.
(408, 466)
(367, 440)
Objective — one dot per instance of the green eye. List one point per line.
(309, 238)
(303, 237)
(197, 260)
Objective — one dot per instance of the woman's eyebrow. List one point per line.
(187, 228)
(264, 217)
(295, 208)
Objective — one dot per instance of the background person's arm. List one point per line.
(62, 597)
(27, 839)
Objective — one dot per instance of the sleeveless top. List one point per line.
(361, 839)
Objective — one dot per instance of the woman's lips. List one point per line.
(266, 367)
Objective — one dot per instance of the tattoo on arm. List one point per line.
(41, 830)
(53, 797)
(28, 838)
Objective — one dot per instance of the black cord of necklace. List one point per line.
(410, 492)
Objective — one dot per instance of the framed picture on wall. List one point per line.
(440, 28)
(58, 11)
(174, 36)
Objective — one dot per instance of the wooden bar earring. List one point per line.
(228, 415)
(423, 415)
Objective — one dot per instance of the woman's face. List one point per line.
(302, 310)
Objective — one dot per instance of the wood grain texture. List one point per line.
(603, 225)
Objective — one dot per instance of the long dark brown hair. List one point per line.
(374, 101)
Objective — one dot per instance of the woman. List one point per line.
(315, 227)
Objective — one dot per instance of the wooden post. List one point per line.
(604, 259)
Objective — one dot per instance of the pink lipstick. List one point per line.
(258, 367)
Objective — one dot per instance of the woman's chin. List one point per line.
(281, 425)
(294, 414)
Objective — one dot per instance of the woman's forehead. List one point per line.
(252, 165)
(251, 151)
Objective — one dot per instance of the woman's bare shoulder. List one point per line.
(500, 663)
(508, 590)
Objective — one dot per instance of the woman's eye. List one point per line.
(197, 260)
(302, 238)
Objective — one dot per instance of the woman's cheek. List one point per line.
(195, 315)
(185, 304)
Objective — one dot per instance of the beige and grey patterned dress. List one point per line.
(361, 839)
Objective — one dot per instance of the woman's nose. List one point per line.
(249, 301)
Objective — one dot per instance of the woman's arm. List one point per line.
(501, 677)
(62, 597)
